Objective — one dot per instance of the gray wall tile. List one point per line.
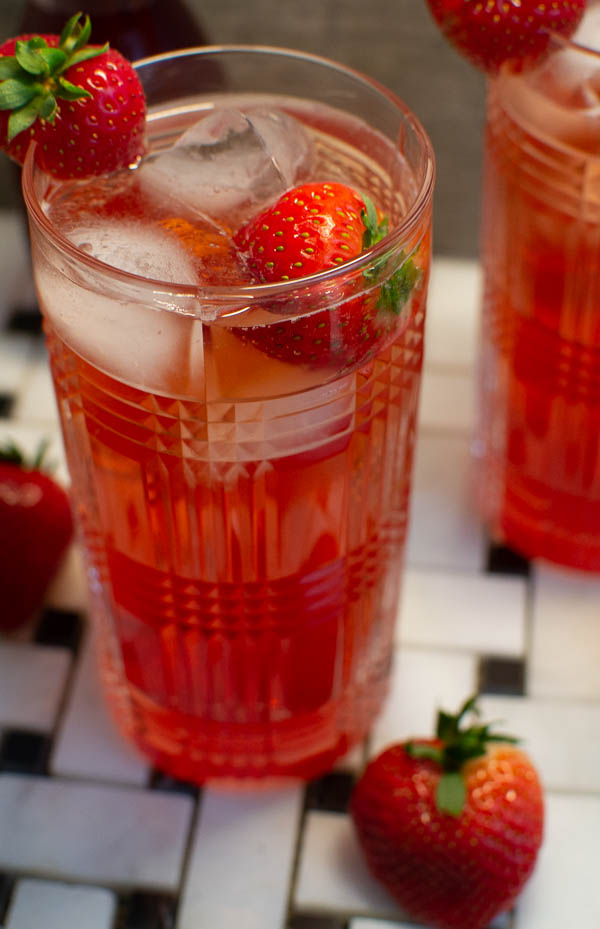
(394, 41)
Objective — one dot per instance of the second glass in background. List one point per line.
(538, 434)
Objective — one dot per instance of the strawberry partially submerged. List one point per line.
(451, 826)
(83, 104)
(491, 32)
(313, 228)
(36, 528)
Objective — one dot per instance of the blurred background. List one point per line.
(394, 41)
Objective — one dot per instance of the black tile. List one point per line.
(502, 676)
(62, 628)
(7, 402)
(25, 319)
(24, 752)
(307, 921)
(147, 911)
(503, 560)
(7, 884)
(161, 781)
(331, 792)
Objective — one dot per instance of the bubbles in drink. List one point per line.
(230, 163)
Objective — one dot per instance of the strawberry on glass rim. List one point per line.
(317, 227)
(491, 32)
(451, 826)
(83, 104)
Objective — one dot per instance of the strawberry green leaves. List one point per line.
(396, 291)
(32, 80)
(456, 744)
(453, 843)
(82, 105)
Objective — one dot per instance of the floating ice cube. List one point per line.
(144, 345)
(136, 248)
(230, 163)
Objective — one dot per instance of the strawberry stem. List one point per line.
(456, 743)
(31, 81)
(10, 453)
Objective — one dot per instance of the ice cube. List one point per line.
(155, 346)
(230, 163)
(137, 248)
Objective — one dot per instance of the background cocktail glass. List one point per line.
(538, 435)
(243, 518)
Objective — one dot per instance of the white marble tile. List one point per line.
(447, 401)
(366, 923)
(565, 652)
(423, 682)
(444, 531)
(32, 683)
(452, 313)
(563, 891)
(482, 613)
(68, 590)
(560, 736)
(332, 874)
(53, 905)
(36, 401)
(66, 830)
(15, 272)
(504, 921)
(241, 860)
(353, 761)
(88, 744)
(16, 352)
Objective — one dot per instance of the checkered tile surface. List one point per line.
(92, 838)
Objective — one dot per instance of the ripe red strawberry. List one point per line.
(35, 530)
(451, 826)
(490, 32)
(83, 104)
(313, 228)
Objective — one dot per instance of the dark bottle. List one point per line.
(136, 28)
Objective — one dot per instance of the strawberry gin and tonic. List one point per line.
(538, 438)
(240, 438)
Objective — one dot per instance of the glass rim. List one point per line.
(250, 293)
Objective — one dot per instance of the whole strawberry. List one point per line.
(35, 530)
(492, 32)
(451, 826)
(312, 228)
(84, 105)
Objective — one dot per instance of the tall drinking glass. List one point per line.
(243, 515)
(538, 438)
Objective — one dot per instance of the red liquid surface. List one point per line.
(244, 520)
(539, 433)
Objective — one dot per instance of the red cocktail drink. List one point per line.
(243, 515)
(538, 440)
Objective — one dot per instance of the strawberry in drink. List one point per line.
(240, 440)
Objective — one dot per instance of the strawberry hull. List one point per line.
(244, 515)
